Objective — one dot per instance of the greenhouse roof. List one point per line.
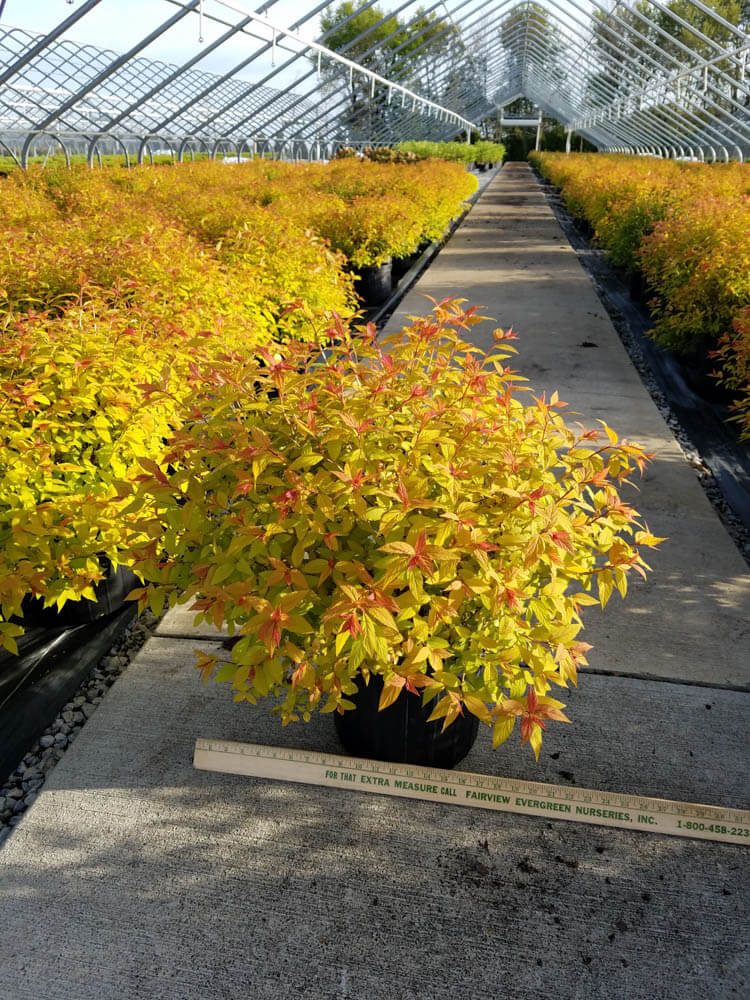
(667, 78)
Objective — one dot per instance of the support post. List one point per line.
(539, 133)
(568, 137)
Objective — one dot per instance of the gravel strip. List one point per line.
(25, 783)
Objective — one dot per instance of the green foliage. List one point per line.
(460, 152)
(733, 354)
(343, 26)
(384, 154)
(520, 143)
(702, 22)
(391, 508)
(699, 261)
(488, 152)
(686, 227)
(135, 281)
(405, 51)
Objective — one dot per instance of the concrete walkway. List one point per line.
(691, 620)
(134, 876)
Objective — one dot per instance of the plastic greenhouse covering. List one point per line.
(658, 77)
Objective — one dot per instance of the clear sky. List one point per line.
(120, 24)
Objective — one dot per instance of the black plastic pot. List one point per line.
(46, 673)
(697, 372)
(401, 265)
(638, 287)
(374, 284)
(110, 597)
(401, 732)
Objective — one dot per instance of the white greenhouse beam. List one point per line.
(631, 76)
(331, 54)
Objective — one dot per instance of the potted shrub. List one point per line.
(404, 513)
(733, 355)
(115, 297)
(75, 421)
(370, 230)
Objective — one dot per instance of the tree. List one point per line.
(532, 43)
(368, 37)
(412, 54)
(425, 44)
(730, 10)
(624, 45)
(706, 27)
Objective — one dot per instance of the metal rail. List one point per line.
(637, 77)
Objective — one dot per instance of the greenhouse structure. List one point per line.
(665, 79)
(374, 499)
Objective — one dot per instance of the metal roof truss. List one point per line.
(654, 77)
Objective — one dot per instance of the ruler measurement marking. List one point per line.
(525, 797)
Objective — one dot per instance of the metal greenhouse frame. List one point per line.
(650, 77)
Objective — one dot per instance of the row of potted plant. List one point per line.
(132, 279)
(117, 293)
(381, 216)
(77, 419)
(115, 240)
(369, 212)
(213, 201)
(684, 227)
(733, 361)
(403, 512)
(483, 153)
(377, 154)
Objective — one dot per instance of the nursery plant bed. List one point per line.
(49, 668)
(380, 314)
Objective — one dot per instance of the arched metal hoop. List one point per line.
(31, 138)
(264, 147)
(250, 145)
(215, 148)
(284, 149)
(301, 150)
(10, 152)
(94, 151)
(186, 145)
(144, 147)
